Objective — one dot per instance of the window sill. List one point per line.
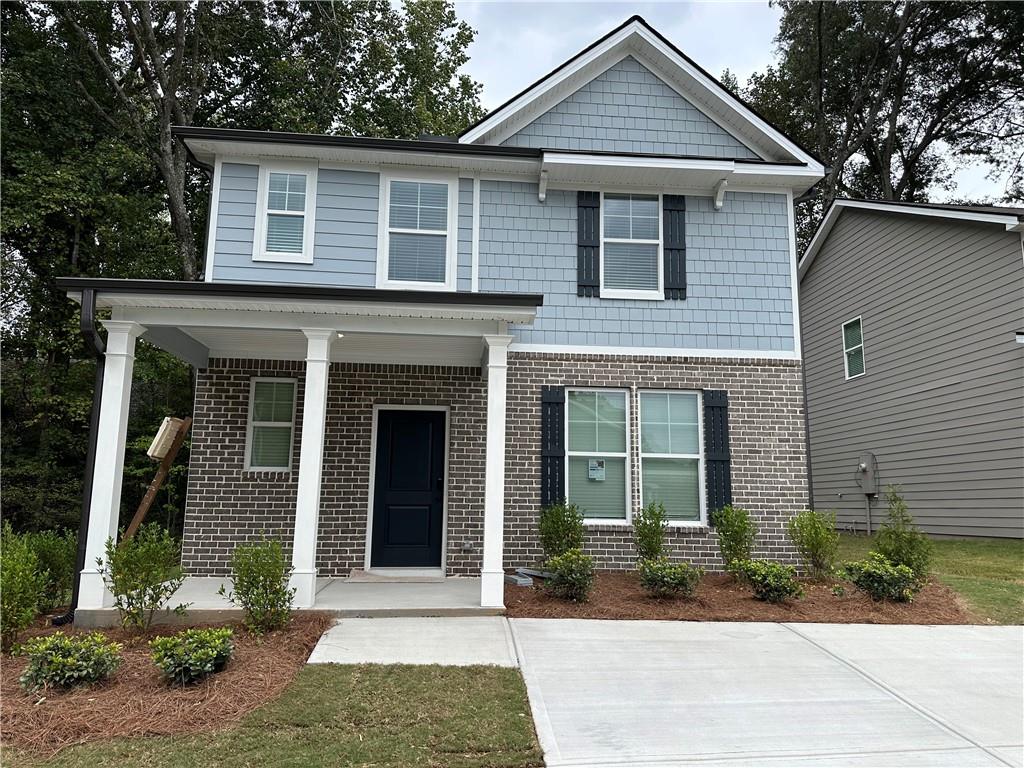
(693, 525)
(612, 293)
(400, 285)
(284, 258)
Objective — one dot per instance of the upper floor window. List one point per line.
(853, 348)
(285, 209)
(418, 242)
(631, 246)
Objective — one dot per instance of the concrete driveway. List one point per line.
(648, 693)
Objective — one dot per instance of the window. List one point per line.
(417, 240)
(271, 422)
(285, 205)
(670, 453)
(596, 465)
(631, 246)
(853, 348)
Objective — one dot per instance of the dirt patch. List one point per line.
(617, 595)
(136, 702)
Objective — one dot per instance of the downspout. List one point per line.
(94, 343)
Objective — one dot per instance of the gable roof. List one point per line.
(1011, 218)
(635, 37)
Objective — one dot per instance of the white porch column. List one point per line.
(311, 455)
(492, 578)
(111, 431)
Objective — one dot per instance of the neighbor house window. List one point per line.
(596, 466)
(285, 206)
(271, 424)
(853, 348)
(670, 453)
(631, 246)
(418, 241)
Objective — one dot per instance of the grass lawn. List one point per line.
(988, 573)
(364, 715)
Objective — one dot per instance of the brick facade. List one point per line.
(227, 505)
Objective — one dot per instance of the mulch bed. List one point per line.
(617, 595)
(135, 701)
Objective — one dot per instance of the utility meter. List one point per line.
(867, 474)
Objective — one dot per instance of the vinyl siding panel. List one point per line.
(942, 403)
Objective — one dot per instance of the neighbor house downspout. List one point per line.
(94, 343)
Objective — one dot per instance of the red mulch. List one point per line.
(617, 595)
(135, 701)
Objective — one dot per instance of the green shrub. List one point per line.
(773, 582)
(259, 576)
(649, 531)
(56, 551)
(661, 578)
(572, 576)
(63, 661)
(561, 529)
(900, 540)
(143, 573)
(189, 656)
(21, 585)
(815, 537)
(736, 534)
(882, 579)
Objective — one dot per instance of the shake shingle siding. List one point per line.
(942, 402)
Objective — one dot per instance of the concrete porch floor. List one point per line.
(344, 598)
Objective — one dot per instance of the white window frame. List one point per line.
(847, 350)
(628, 520)
(250, 423)
(701, 471)
(451, 233)
(259, 250)
(629, 293)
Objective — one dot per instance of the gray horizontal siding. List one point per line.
(629, 109)
(942, 403)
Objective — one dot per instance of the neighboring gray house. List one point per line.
(405, 348)
(912, 317)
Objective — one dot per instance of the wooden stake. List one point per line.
(158, 480)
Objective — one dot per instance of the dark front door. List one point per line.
(408, 491)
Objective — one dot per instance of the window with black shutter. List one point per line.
(718, 482)
(674, 215)
(588, 244)
(552, 445)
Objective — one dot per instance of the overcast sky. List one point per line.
(519, 42)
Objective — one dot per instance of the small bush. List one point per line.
(259, 576)
(189, 656)
(572, 576)
(900, 540)
(882, 579)
(661, 578)
(736, 534)
(815, 537)
(63, 661)
(143, 573)
(649, 531)
(21, 585)
(56, 551)
(561, 529)
(772, 582)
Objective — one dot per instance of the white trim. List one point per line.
(1009, 220)
(702, 518)
(377, 408)
(249, 423)
(611, 454)
(794, 275)
(630, 293)
(494, 368)
(847, 350)
(451, 234)
(307, 169)
(475, 242)
(583, 349)
(211, 225)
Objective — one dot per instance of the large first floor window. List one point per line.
(597, 452)
(271, 424)
(670, 445)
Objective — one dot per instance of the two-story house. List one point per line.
(404, 349)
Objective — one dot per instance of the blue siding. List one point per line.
(629, 109)
(739, 294)
(465, 235)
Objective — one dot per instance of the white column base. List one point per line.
(492, 589)
(304, 584)
(92, 592)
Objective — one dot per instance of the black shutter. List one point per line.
(674, 214)
(552, 445)
(716, 450)
(588, 244)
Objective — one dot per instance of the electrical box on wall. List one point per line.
(867, 474)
